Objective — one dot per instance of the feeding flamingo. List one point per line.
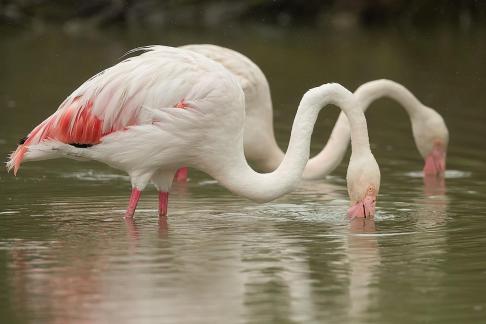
(167, 107)
(429, 130)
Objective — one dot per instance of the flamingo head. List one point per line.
(435, 161)
(432, 138)
(365, 207)
(363, 180)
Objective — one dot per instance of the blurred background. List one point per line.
(73, 15)
(426, 45)
(66, 256)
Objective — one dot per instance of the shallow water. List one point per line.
(67, 255)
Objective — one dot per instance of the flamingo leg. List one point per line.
(163, 203)
(132, 204)
(181, 174)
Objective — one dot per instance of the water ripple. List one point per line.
(92, 175)
(449, 174)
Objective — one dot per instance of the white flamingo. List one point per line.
(429, 130)
(152, 113)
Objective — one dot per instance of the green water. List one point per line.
(67, 255)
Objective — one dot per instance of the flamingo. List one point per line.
(429, 129)
(168, 107)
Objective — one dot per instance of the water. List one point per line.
(67, 255)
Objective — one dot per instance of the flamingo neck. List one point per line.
(235, 174)
(333, 152)
(371, 91)
(335, 149)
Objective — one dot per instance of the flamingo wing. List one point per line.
(110, 101)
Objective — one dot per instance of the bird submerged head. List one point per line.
(432, 138)
(365, 207)
(363, 180)
(435, 161)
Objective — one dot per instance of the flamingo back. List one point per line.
(113, 99)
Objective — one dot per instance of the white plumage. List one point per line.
(429, 130)
(168, 107)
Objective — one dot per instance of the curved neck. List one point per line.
(329, 158)
(335, 149)
(235, 173)
(371, 91)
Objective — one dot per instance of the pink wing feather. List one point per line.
(108, 102)
(74, 123)
(113, 99)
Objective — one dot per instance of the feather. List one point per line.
(112, 100)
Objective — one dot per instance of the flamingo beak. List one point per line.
(364, 208)
(435, 163)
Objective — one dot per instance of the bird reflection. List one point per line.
(362, 225)
(163, 227)
(432, 208)
(364, 259)
(132, 229)
(66, 294)
(434, 185)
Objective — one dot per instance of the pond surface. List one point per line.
(67, 255)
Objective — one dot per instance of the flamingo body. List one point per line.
(259, 137)
(152, 113)
(119, 116)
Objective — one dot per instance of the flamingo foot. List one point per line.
(132, 204)
(181, 174)
(364, 208)
(163, 203)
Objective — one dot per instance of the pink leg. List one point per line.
(132, 204)
(163, 203)
(181, 174)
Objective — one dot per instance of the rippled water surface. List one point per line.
(67, 255)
